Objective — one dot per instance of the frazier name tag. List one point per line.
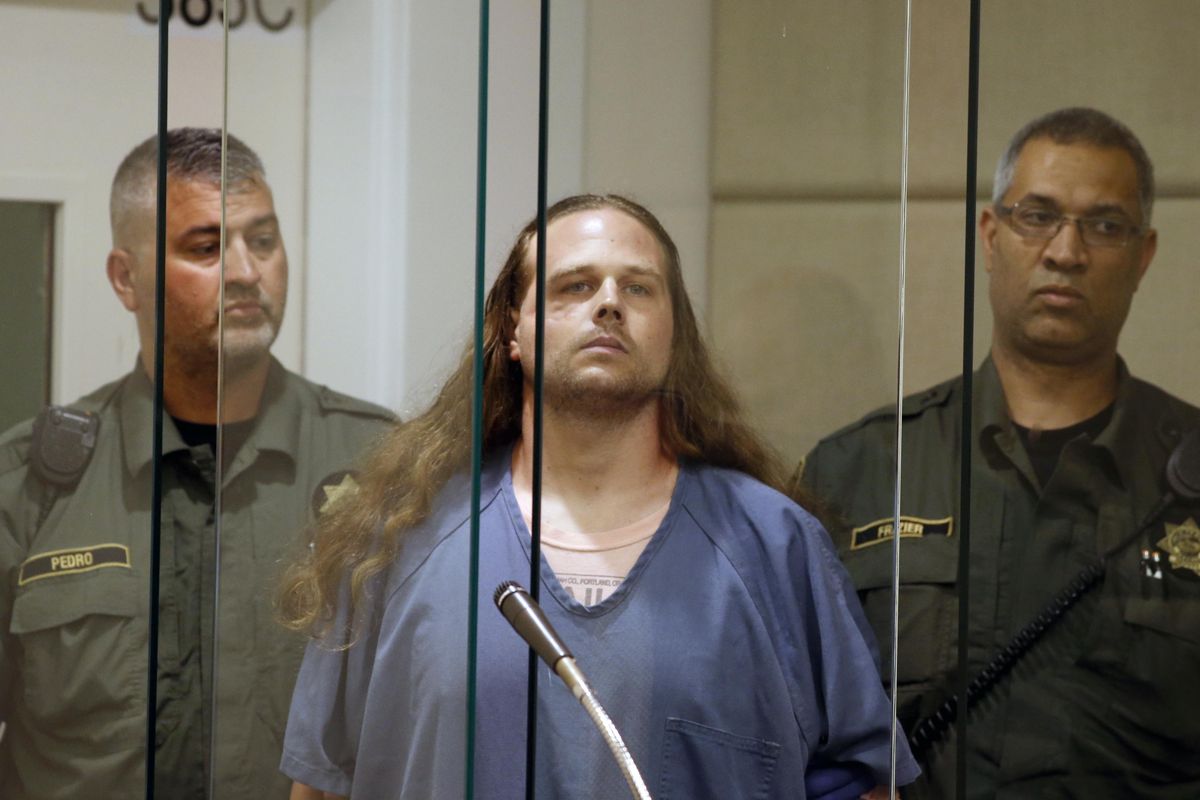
(881, 530)
(70, 562)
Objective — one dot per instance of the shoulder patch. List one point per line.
(882, 530)
(73, 561)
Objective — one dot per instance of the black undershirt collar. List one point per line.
(201, 433)
(1045, 446)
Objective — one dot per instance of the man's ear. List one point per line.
(514, 349)
(987, 234)
(123, 277)
(1149, 248)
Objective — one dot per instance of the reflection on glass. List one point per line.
(380, 284)
(287, 446)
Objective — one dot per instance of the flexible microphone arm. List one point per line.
(530, 623)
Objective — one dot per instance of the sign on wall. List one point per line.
(198, 13)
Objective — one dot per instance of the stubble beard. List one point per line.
(599, 397)
(242, 348)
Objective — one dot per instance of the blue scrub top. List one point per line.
(733, 653)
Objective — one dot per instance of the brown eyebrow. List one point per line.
(1107, 208)
(265, 219)
(215, 230)
(577, 269)
(201, 230)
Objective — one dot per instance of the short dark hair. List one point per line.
(1079, 125)
(193, 154)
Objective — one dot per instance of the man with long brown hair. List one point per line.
(708, 609)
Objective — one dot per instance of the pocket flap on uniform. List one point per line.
(1176, 617)
(930, 559)
(62, 599)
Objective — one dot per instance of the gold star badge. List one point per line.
(332, 491)
(1182, 544)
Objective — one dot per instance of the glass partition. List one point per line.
(364, 116)
(809, 162)
(287, 446)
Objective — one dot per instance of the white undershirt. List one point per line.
(590, 566)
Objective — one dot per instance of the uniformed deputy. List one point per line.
(75, 495)
(1068, 456)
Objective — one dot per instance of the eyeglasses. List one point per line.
(1044, 222)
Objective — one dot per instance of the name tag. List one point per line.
(883, 530)
(71, 562)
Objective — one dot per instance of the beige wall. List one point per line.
(806, 183)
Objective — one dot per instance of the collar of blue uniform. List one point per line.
(1118, 440)
(277, 428)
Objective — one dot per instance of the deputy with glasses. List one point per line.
(1068, 456)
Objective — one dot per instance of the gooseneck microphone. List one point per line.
(530, 623)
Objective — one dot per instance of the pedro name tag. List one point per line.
(73, 561)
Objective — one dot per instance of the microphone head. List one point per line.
(1183, 467)
(504, 590)
(529, 621)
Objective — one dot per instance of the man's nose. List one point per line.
(608, 302)
(240, 264)
(1066, 249)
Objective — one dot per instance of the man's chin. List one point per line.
(600, 395)
(245, 347)
(1062, 347)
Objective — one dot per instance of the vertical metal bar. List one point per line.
(539, 344)
(481, 133)
(968, 374)
(219, 455)
(160, 279)
(900, 337)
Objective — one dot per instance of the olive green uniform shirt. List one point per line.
(1107, 705)
(74, 597)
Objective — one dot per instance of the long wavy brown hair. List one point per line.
(700, 419)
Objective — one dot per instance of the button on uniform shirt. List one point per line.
(74, 597)
(1105, 705)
